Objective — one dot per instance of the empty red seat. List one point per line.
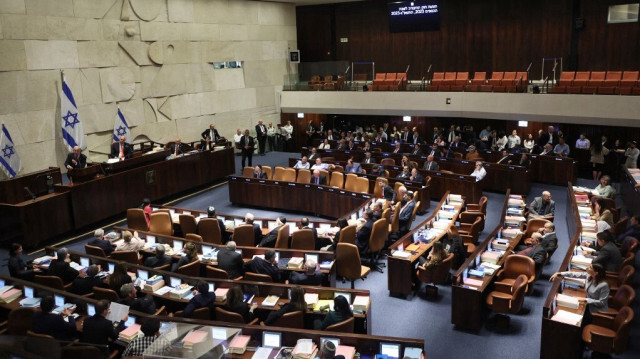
(438, 77)
(390, 78)
(597, 77)
(612, 79)
(379, 79)
(479, 78)
(508, 78)
(629, 79)
(581, 79)
(462, 78)
(566, 78)
(496, 78)
(449, 78)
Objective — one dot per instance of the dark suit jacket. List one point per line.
(275, 314)
(98, 330)
(154, 261)
(312, 157)
(388, 193)
(303, 278)
(231, 262)
(115, 150)
(270, 239)
(260, 133)
(54, 325)
(549, 242)
(18, 268)
(418, 178)
(198, 301)
(247, 142)
(104, 244)
(207, 132)
(536, 207)
(538, 254)
(431, 166)
(241, 308)
(416, 153)
(322, 179)
(144, 303)
(370, 160)
(544, 139)
(63, 270)
(609, 257)
(257, 234)
(362, 236)
(80, 163)
(84, 285)
(173, 149)
(261, 266)
(262, 175)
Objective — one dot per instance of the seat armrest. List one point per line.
(603, 320)
(503, 287)
(239, 278)
(499, 273)
(262, 324)
(473, 207)
(160, 310)
(465, 227)
(255, 321)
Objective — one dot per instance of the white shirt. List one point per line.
(583, 144)
(501, 143)
(237, 138)
(513, 141)
(322, 166)
(479, 173)
(325, 146)
(288, 128)
(528, 144)
(271, 131)
(299, 165)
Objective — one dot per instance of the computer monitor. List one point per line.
(111, 267)
(85, 262)
(465, 273)
(335, 341)
(313, 257)
(177, 245)
(271, 224)
(277, 255)
(259, 223)
(151, 239)
(271, 340)
(324, 226)
(239, 251)
(143, 274)
(477, 261)
(58, 300)
(238, 221)
(489, 246)
(347, 296)
(91, 310)
(212, 288)
(28, 292)
(206, 249)
(391, 350)
(354, 216)
(175, 282)
(219, 333)
(1, 283)
(130, 321)
(217, 217)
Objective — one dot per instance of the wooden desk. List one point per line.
(12, 190)
(468, 302)
(322, 201)
(629, 193)
(131, 163)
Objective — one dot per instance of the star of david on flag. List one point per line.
(72, 131)
(9, 160)
(121, 128)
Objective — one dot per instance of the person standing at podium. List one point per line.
(76, 159)
(121, 149)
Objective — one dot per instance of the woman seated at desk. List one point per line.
(341, 312)
(191, 254)
(296, 303)
(596, 288)
(236, 304)
(435, 257)
(119, 277)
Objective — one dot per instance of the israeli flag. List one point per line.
(72, 132)
(120, 128)
(9, 159)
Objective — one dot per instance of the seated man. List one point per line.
(547, 150)
(100, 241)
(363, 234)
(546, 236)
(136, 300)
(396, 148)
(268, 265)
(535, 251)
(416, 177)
(230, 261)
(302, 164)
(561, 149)
(632, 231)
(177, 148)
(46, 322)
(368, 159)
(130, 242)
(604, 189)
(542, 206)
(270, 239)
(84, 285)
(505, 158)
(202, 298)
(259, 173)
(121, 149)
(430, 164)
(353, 167)
(319, 165)
(151, 330)
(311, 276)
(608, 255)
(98, 329)
(60, 267)
(378, 171)
(314, 155)
(416, 150)
(479, 172)
(405, 174)
(257, 230)
(159, 259)
(318, 178)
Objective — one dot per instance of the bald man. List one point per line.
(121, 149)
(542, 206)
(76, 159)
(176, 147)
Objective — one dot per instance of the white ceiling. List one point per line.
(312, 2)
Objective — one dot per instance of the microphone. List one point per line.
(529, 68)
(33, 196)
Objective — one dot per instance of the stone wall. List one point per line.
(153, 58)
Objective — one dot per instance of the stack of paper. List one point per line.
(195, 337)
(581, 261)
(239, 344)
(304, 349)
(129, 333)
(588, 225)
(323, 305)
(311, 299)
(442, 224)
(182, 291)
(77, 266)
(346, 350)
(42, 260)
(510, 232)
(588, 236)
(500, 244)
(514, 220)
(515, 211)
(515, 202)
(270, 301)
(575, 282)
(446, 214)
(567, 317)
(221, 294)
(10, 295)
(401, 254)
(567, 301)
(490, 268)
(584, 210)
(491, 257)
(582, 198)
(154, 283)
(295, 263)
(162, 291)
(262, 353)
(454, 198)
(30, 302)
(473, 282)
(326, 265)
(361, 303)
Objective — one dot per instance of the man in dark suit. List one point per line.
(351, 146)
(211, 213)
(60, 267)
(363, 234)
(210, 133)
(100, 241)
(416, 151)
(314, 155)
(268, 265)
(405, 174)
(451, 134)
(397, 148)
(257, 230)
(542, 206)
(270, 239)
(535, 251)
(416, 139)
(17, 266)
(404, 217)
(121, 149)
(368, 159)
(434, 151)
(366, 147)
(310, 277)
(159, 259)
(259, 173)
(84, 285)
(430, 164)
(387, 192)
(75, 159)
(608, 255)
(416, 176)
(318, 179)
(100, 331)
(136, 300)
(230, 261)
(45, 322)
(247, 144)
(548, 137)
(176, 147)
(261, 134)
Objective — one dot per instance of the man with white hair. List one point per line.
(75, 159)
(542, 206)
(317, 178)
(479, 172)
(257, 230)
(310, 277)
(230, 261)
(100, 241)
(121, 149)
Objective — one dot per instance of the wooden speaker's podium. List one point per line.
(78, 175)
